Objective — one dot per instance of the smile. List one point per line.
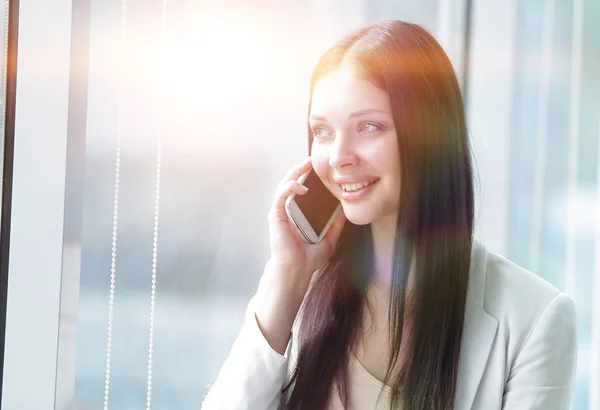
(356, 190)
(356, 186)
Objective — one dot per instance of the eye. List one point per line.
(320, 132)
(369, 127)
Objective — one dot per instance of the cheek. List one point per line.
(320, 164)
(392, 162)
(320, 161)
(385, 154)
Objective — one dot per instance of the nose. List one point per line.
(342, 152)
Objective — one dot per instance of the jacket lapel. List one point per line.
(479, 330)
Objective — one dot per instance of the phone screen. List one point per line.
(318, 204)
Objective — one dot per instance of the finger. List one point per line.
(277, 212)
(297, 171)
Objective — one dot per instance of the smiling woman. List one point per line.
(226, 86)
(399, 306)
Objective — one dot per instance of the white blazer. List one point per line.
(518, 351)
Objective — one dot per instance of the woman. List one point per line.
(398, 307)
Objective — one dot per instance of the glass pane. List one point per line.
(546, 101)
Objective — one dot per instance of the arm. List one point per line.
(256, 368)
(542, 375)
(253, 374)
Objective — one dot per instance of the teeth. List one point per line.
(356, 186)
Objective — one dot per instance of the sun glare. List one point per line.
(211, 64)
(208, 78)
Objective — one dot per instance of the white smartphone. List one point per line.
(313, 212)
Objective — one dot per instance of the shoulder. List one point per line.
(523, 302)
(511, 289)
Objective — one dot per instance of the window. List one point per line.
(155, 133)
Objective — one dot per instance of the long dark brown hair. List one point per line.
(434, 232)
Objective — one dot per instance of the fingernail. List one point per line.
(305, 189)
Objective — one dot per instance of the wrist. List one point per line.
(289, 282)
(277, 305)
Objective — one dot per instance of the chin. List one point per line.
(364, 214)
(357, 216)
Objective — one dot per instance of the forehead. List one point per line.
(342, 91)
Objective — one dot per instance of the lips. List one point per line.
(357, 190)
(355, 186)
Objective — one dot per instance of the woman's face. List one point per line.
(355, 148)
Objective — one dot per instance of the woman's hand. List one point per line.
(292, 264)
(289, 252)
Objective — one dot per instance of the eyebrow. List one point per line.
(353, 115)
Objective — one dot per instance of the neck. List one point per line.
(383, 231)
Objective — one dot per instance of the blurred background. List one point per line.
(224, 87)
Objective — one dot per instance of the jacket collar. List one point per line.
(479, 331)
